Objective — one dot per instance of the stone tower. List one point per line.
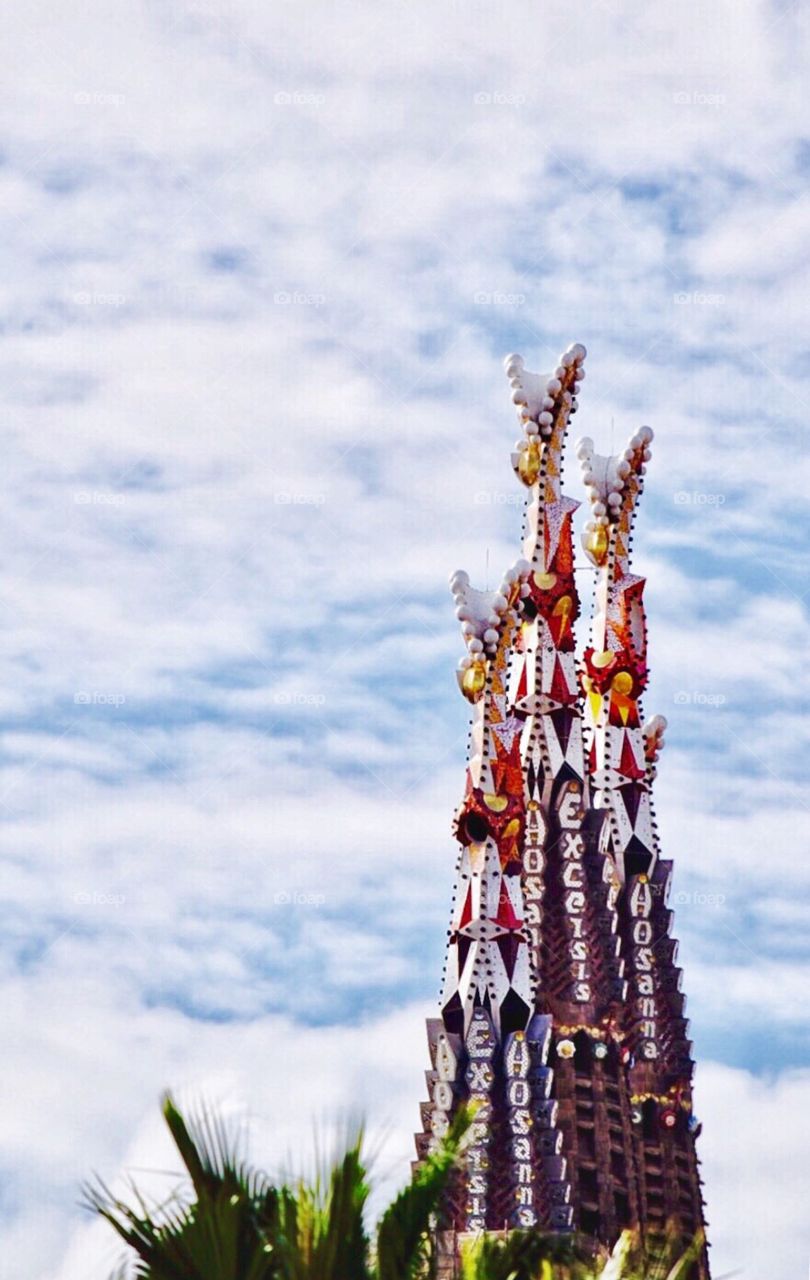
(562, 1016)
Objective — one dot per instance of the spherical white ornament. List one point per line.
(598, 508)
(475, 645)
(531, 427)
(490, 636)
(553, 386)
(515, 362)
(545, 419)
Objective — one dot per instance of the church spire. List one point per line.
(561, 1014)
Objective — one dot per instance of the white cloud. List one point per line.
(254, 416)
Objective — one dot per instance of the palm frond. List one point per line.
(524, 1255)
(220, 1232)
(616, 1266)
(403, 1228)
(684, 1264)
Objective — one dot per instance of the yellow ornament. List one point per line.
(595, 543)
(474, 680)
(529, 463)
(494, 802)
(622, 683)
(603, 659)
(545, 581)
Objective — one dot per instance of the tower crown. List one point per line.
(561, 1012)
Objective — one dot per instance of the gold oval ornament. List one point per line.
(494, 802)
(474, 680)
(528, 466)
(595, 543)
(622, 683)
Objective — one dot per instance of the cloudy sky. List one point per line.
(261, 266)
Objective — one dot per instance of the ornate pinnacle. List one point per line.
(561, 1016)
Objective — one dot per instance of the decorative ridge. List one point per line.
(613, 483)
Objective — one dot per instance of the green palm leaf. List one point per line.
(402, 1235)
(523, 1255)
(224, 1234)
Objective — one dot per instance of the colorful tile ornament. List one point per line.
(562, 1018)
